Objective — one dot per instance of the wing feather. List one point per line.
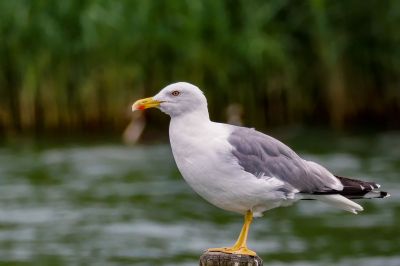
(260, 154)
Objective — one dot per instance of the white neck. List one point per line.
(186, 132)
(196, 118)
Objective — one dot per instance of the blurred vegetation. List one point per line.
(79, 64)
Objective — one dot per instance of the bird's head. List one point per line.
(175, 99)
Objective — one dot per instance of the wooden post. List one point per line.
(223, 259)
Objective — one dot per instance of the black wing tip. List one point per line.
(357, 189)
(384, 194)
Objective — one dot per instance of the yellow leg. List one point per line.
(240, 247)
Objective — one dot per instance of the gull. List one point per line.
(242, 170)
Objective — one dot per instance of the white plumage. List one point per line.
(240, 169)
(204, 158)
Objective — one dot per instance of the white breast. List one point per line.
(200, 154)
(203, 156)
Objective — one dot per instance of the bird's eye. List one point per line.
(175, 93)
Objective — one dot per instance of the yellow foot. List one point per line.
(234, 250)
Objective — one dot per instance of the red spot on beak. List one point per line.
(140, 107)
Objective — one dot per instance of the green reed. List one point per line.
(79, 64)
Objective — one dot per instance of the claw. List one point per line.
(232, 250)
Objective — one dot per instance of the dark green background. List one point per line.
(72, 194)
(78, 65)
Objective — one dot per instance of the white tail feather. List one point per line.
(340, 202)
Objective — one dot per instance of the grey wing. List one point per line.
(263, 155)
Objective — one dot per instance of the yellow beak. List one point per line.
(145, 103)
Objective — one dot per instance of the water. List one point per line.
(107, 204)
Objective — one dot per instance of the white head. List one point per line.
(176, 99)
